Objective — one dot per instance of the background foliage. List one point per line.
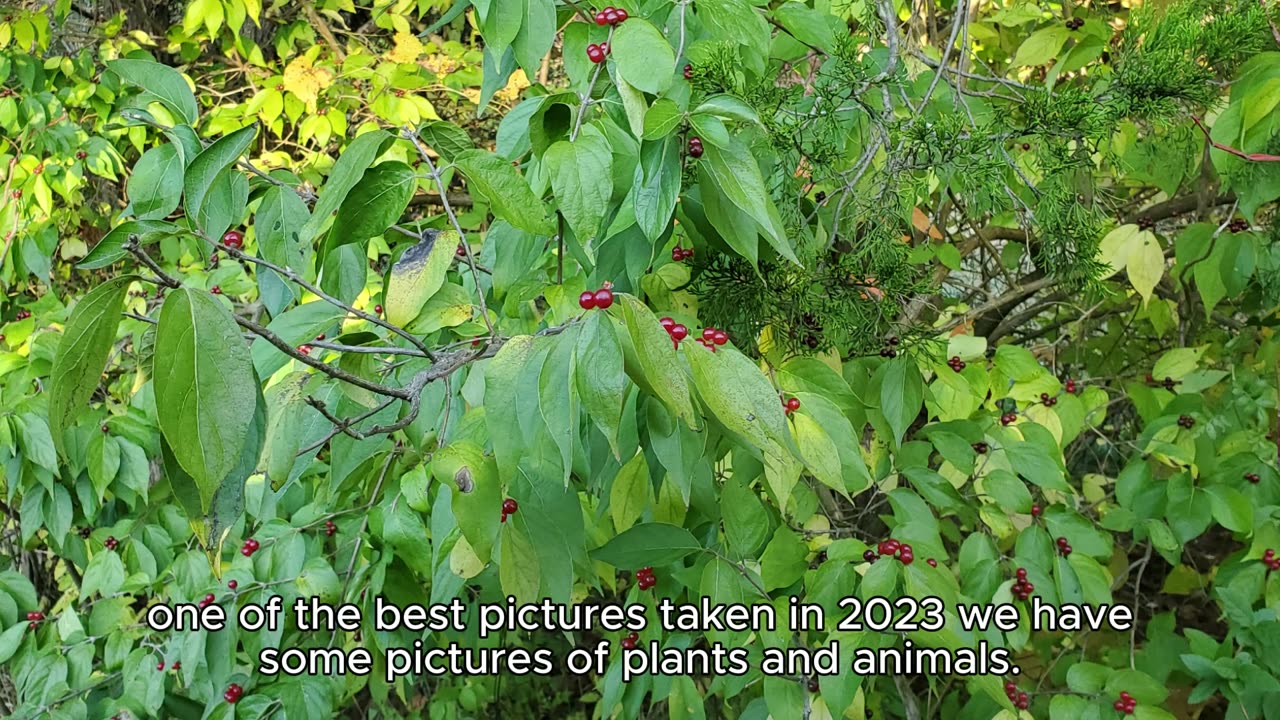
(291, 306)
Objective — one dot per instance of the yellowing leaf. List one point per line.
(1145, 265)
(408, 48)
(306, 81)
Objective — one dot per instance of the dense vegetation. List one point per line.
(727, 299)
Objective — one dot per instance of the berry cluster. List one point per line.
(233, 239)
(645, 578)
(981, 448)
(890, 349)
(597, 53)
(330, 528)
(80, 155)
(791, 405)
(1126, 704)
(1019, 699)
(688, 72)
(85, 532)
(111, 543)
(1146, 223)
(250, 547)
(1254, 478)
(305, 349)
(629, 642)
(509, 507)
(611, 16)
(1064, 547)
(677, 331)
(679, 254)
(22, 315)
(216, 290)
(1168, 383)
(1008, 418)
(602, 298)
(1270, 560)
(711, 337)
(233, 693)
(214, 259)
(900, 550)
(33, 618)
(1071, 386)
(1186, 421)
(1048, 400)
(1075, 23)
(956, 363)
(1021, 588)
(1238, 225)
(695, 147)
(207, 600)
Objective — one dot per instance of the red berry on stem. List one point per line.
(604, 298)
(587, 300)
(233, 239)
(216, 290)
(667, 323)
(620, 16)
(793, 404)
(720, 337)
(695, 147)
(679, 332)
(509, 506)
(232, 584)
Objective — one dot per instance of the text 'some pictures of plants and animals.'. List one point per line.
(661, 360)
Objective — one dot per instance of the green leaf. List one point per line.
(661, 118)
(477, 493)
(82, 354)
(1231, 507)
(901, 395)
(537, 33)
(155, 187)
(203, 172)
(746, 522)
(601, 376)
(519, 570)
(735, 172)
(418, 275)
(161, 83)
(649, 544)
(205, 387)
(582, 177)
(318, 579)
(728, 107)
(373, 205)
(1145, 265)
(286, 402)
(657, 357)
(508, 194)
(1178, 362)
(10, 639)
(1042, 46)
(820, 453)
(629, 495)
(111, 247)
(644, 57)
(784, 560)
(347, 173)
(104, 574)
(280, 217)
(656, 187)
(740, 396)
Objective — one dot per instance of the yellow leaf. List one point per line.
(408, 48)
(1145, 265)
(306, 81)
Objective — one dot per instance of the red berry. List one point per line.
(1036, 510)
(604, 298)
(695, 148)
(509, 506)
(177, 665)
(688, 72)
(620, 15)
(889, 547)
(81, 155)
(595, 54)
(629, 642)
(320, 336)
(677, 254)
(708, 333)
(160, 666)
(233, 239)
(33, 625)
(601, 18)
(38, 169)
(461, 251)
(377, 309)
(869, 555)
(679, 332)
(1062, 542)
(720, 337)
(587, 300)
(932, 562)
(232, 584)
(209, 598)
(216, 290)
(604, 48)
(667, 323)
(793, 404)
